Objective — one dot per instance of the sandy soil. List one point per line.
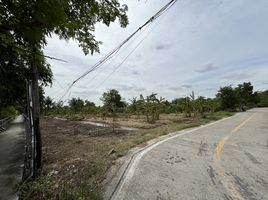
(70, 146)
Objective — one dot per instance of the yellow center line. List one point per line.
(219, 147)
(217, 152)
(242, 124)
(222, 142)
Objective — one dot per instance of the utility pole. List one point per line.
(36, 112)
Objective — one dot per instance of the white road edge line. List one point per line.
(131, 168)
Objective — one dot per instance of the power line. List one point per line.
(127, 56)
(115, 57)
(120, 64)
(115, 50)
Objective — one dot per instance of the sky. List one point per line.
(196, 46)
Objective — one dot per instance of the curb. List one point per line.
(135, 154)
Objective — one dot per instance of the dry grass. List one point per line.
(77, 156)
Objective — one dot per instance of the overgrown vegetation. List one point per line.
(228, 98)
(80, 155)
(24, 28)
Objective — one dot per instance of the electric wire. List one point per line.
(115, 50)
(116, 56)
(135, 48)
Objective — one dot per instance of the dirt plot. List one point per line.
(70, 147)
(78, 155)
(139, 122)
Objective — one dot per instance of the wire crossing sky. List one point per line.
(198, 46)
(117, 49)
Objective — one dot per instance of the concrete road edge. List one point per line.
(117, 176)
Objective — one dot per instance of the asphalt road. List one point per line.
(224, 160)
(11, 158)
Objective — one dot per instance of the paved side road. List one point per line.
(12, 143)
(225, 160)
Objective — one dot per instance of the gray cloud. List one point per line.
(59, 74)
(81, 86)
(131, 88)
(160, 46)
(139, 56)
(164, 54)
(206, 68)
(237, 76)
(210, 88)
(86, 92)
(136, 72)
(187, 86)
(175, 88)
(181, 88)
(264, 82)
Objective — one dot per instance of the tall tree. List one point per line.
(25, 25)
(76, 104)
(247, 97)
(112, 102)
(228, 98)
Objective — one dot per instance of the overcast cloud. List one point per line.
(196, 45)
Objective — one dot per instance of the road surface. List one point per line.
(11, 158)
(224, 160)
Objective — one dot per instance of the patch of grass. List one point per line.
(143, 136)
(86, 184)
(219, 115)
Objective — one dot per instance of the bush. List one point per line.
(9, 111)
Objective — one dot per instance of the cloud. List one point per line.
(160, 46)
(139, 56)
(181, 88)
(206, 68)
(85, 93)
(136, 73)
(59, 74)
(214, 53)
(187, 86)
(175, 88)
(210, 88)
(130, 88)
(237, 76)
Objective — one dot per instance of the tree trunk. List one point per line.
(36, 114)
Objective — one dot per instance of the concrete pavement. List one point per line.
(224, 160)
(12, 143)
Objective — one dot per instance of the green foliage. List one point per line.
(241, 97)
(76, 104)
(263, 98)
(33, 21)
(151, 107)
(112, 102)
(228, 98)
(9, 111)
(24, 27)
(47, 187)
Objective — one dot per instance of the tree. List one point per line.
(112, 101)
(30, 21)
(25, 25)
(262, 98)
(76, 104)
(228, 98)
(151, 106)
(247, 98)
(48, 103)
